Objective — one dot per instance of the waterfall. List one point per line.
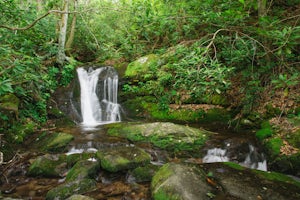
(98, 96)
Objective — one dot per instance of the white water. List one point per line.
(97, 111)
(251, 161)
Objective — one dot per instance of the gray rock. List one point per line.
(122, 158)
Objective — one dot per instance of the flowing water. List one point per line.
(99, 104)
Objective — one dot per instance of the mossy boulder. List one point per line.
(221, 181)
(70, 188)
(82, 170)
(179, 181)
(164, 135)
(55, 142)
(140, 69)
(122, 158)
(48, 166)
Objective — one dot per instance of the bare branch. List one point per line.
(34, 22)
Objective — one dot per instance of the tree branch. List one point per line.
(34, 22)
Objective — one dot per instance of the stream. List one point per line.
(90, 136)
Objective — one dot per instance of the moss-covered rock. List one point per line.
(72, 159)
(179, 181)
(221, 181)
(70, 188)
(144, 173)
(140, 69)
(122, 158)
(82, 170)
(55, 142)
(164, 135)
(48, 166)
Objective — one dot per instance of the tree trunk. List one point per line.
(39, 5)
(262, 8)
(72, 31)
(61, 56)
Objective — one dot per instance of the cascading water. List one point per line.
(98, 105)
(253, 159)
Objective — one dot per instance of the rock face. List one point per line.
(185, 181)
(162, 134)
(122, 158)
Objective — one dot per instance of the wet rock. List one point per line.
(83, 169)
(179, 181)
(162, 134)
(70, 188)
(72, 159)
(79, 197)
(48, 166)
(122, 158)
(244, 183)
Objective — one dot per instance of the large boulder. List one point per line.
(162, 134)
(179, 182)
(182, 181)
(122, 158)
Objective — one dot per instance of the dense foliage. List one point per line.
(240, 49)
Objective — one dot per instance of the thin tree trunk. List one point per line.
(61, 56)
(39, 5)
(262, 8)
(72, 31)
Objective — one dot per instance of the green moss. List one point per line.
(9, 102)
(218, 100)
(273, 145)
(122, 158)
(162, 195)
(163, 174)
(47, 166)
(141, 67)
(264, 133)
(57, 142)
(234, 165)
(146, 173)
(83, 169)
(274, 176)
(68, 189)
(74, 158)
